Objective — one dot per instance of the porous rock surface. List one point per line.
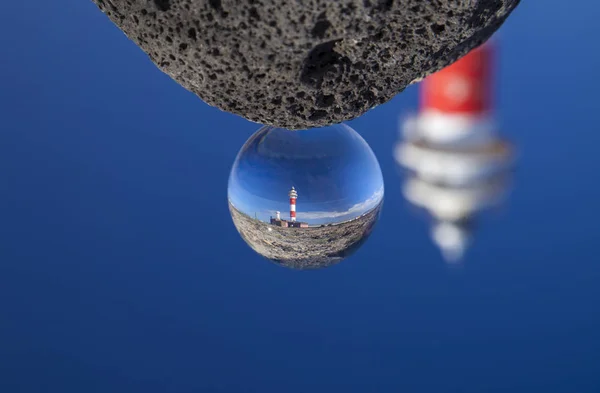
(304, 63)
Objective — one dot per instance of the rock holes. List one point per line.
(320, 28)
(321, 62)
(163, 5)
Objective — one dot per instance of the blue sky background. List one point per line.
(121, 271)
(334, 171)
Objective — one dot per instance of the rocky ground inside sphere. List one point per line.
(304, 63)
(305, 248)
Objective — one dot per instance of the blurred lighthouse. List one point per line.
(293, 196)
(458, 164)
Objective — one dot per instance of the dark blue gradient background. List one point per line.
(121, 271)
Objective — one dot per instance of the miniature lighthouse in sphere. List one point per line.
(293, 196)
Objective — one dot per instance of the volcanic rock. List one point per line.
(304, 63)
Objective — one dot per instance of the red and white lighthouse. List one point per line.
(457, 162)
(293, 196)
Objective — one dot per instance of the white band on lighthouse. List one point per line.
(292, 208)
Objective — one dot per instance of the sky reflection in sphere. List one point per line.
(340, 192)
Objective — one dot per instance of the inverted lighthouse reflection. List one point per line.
(457, 162)
(305, 199)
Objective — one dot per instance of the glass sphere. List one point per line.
(305, 199)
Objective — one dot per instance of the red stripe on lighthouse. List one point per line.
(463, 87)
(293, 209)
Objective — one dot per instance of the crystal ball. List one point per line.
(305, 199)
